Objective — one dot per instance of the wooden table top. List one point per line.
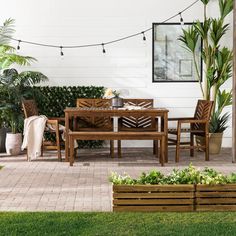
(115, 111)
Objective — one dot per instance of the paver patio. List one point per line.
(49, 185)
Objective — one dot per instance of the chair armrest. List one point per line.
(52, 122)
(57, 118)
(52, 126)
(180, 118)
(194, 121)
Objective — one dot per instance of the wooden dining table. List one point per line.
(73, 112)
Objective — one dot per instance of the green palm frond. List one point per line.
(30, 78)
(7, 59)
(6, 31)
(218, 123)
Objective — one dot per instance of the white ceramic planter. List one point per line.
(13, 143)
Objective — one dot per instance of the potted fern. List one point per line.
(217, 62)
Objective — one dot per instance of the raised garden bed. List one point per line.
(153, 197)
(189, 189)
(178, 198)
(216, 197)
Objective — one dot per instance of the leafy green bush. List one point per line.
(189, 175)
(52, 101)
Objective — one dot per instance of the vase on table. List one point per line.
(117, 102)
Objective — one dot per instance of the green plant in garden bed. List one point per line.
(189, 175)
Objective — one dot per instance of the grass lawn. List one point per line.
(77, 223)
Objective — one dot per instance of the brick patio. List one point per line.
(49, 185)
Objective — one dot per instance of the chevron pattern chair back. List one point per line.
(91, 123)
(202, 112)
(141, 123)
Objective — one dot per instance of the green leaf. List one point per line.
(218, 123)
(217, 30)
(205, 2)
(6, 31)
(189, 38)
(226, 6)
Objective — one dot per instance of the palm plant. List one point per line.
(7, 52)
(217, 59)
(14, 86)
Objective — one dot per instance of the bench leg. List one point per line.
(71, 146)
(119, 148)
(112, 148)
(162, 152)
(155, 147)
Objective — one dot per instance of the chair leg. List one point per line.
(162, 151)
(191, 145)
(155, 147)
(71, 146)
(207, 147)
(177, 144)
(112, 148)
(58, 144)
(119, 148)
(27, 155)
(42, 149)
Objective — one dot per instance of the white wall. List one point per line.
(126, 65)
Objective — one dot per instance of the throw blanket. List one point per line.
(34, 127)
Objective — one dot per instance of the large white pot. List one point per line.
(13, 143)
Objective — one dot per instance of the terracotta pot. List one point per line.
(215, 142)
(13, 143)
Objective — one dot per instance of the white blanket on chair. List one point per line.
(34, 127)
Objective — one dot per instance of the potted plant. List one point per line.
(7, 58)
(217, 62)
(14, 87)
(116, 100)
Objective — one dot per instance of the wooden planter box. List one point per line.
(153, 197)
(216, 198)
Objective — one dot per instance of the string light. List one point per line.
(18, 46)
(144, 37)
(103, 48)
(103, 44)
(62, 54)
(181, 19)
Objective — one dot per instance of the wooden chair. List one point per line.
(30, 109)
(138, 124)
(199, 126)
(95, 123)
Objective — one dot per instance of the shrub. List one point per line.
(189, 175)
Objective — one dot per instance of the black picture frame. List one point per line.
(184, 66)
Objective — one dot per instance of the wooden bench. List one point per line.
(121, 135)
